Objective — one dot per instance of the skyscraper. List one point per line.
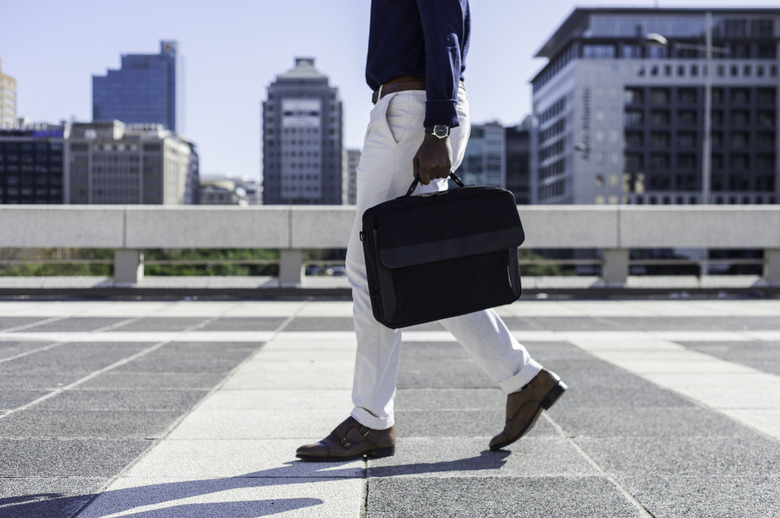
(7, 100)
(303, 160)
(148, 88)
(622, 121)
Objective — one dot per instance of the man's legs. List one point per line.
(385, 172)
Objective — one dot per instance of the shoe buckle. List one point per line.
(345, 442)
(364, 431)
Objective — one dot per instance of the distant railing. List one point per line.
(614, 230)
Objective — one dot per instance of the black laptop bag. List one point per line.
(442, 254)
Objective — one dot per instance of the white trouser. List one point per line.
(394, 134)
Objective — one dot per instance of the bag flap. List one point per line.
(462, 246)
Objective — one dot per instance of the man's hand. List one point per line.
(433, 159)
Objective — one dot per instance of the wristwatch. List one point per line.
(439, 130)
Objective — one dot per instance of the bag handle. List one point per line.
(453, 177)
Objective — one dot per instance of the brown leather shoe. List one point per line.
(349, 441)
(525, 406)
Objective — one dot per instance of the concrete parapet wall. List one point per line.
(611, 228)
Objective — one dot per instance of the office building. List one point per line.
(485, 160)
(31, 164)
(114, 163)
(518, 161)
(303, 159)
(148, 88)
(7, 99)
(353, 159)
(621, 108)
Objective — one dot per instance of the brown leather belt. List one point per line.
(400, 84)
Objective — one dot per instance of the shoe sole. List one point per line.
(548, 401)
(372, 454)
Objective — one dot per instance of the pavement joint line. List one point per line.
(115, 325)
(604, 473)
(96, 373)
(28, 353)
(86, 378)
(34, 324)
(57, 344)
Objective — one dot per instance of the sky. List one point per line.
(234, 49)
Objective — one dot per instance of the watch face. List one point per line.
(441, 131)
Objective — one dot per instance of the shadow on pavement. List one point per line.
(121, 501)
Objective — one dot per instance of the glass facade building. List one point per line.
(31, 164)
(618, 120)
(148, 88)
(485, 160)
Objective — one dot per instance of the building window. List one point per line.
(634, 95)
(659, 96)
(659, 139)
(635, 139)
(686, 117)
(740, 117)
(686, 95)
(597, 51)
(633, 118)
(660, 117)
(686, 140)
(739, 140)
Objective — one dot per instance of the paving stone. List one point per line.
(61, 457)
(11, 398)
(150, 324)
(467, 457)
(320, 324)
(77, 324)
(433, 351)
(763, 356)
(502, 497)
(10, 349)
(249, 458)
(85, 423)
(153, 380)
(646, 422)
(244, 324)
(197, 357)
(12, 322)
(750, 454)
(459, 423)
(73, 357)
(684, 323)
(449, 399)
(714, 496)
(46, 497)
(230, 497)
(120, 400)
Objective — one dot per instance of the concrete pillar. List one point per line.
(615, 268)
(290, 267)
(772, 265)
(128, 266)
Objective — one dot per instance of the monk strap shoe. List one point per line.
(349, 441)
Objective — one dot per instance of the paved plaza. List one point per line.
(187, 408)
